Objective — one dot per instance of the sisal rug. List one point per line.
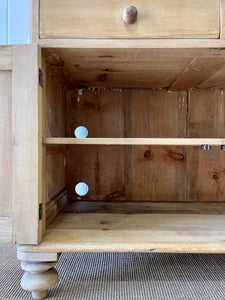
(108, 276)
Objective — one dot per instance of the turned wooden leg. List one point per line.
(39, 276)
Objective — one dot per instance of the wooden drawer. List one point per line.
(103, 19)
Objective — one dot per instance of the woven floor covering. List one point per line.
(108, 276)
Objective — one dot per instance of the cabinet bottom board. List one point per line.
(121, 232)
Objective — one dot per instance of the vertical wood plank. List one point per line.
(101, 168)
(206, 113)
(6, 143)
(222, 19)
(100, 110)
(206, 169)
(27, 191)
(156, 173)
(206, 175)
(158, 113)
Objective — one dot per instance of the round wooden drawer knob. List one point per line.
(130, 14)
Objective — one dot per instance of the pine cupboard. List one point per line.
(113, 133)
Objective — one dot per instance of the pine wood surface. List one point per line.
(133, 232)
(158, 19)
(176, 69)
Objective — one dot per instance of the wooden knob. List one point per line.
(130, 14)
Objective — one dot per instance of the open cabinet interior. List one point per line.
(134, 148)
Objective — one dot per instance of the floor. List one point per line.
(108, 276)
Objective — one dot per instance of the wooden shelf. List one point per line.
(176, 233)
(132, 141)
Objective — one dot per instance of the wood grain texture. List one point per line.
(215, 80)
(6, 138)
(26, 145)
(144, 208)
(158, 19)
(94, 108)
(198, 73)
(206, 173)
(54, 116)
(178, 69)
(132, 43)
(101, 168)
(55, 205)
(6, 227)
(156, 173)
(6, 58)
(222, 19)
(54, 144)
(100, 110)
(134, 233)
(157, 113)
(55, 110)
(206, 113)
(125, 67)
(55, 174)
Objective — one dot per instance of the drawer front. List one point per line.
(104, 19)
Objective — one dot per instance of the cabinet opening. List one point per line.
(130, 134)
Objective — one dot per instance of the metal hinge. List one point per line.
(40, 78)
(40, 211)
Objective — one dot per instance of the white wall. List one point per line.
(15, 21)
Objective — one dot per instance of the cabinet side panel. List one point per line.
(6, 229)
(6, 143)
(25, 144)
(55, 125)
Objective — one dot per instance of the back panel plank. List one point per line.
(157, 113)
(156, 173)
(206, 169)
(206, 175)
(101, 168)
(100, 110)
(206, 113)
